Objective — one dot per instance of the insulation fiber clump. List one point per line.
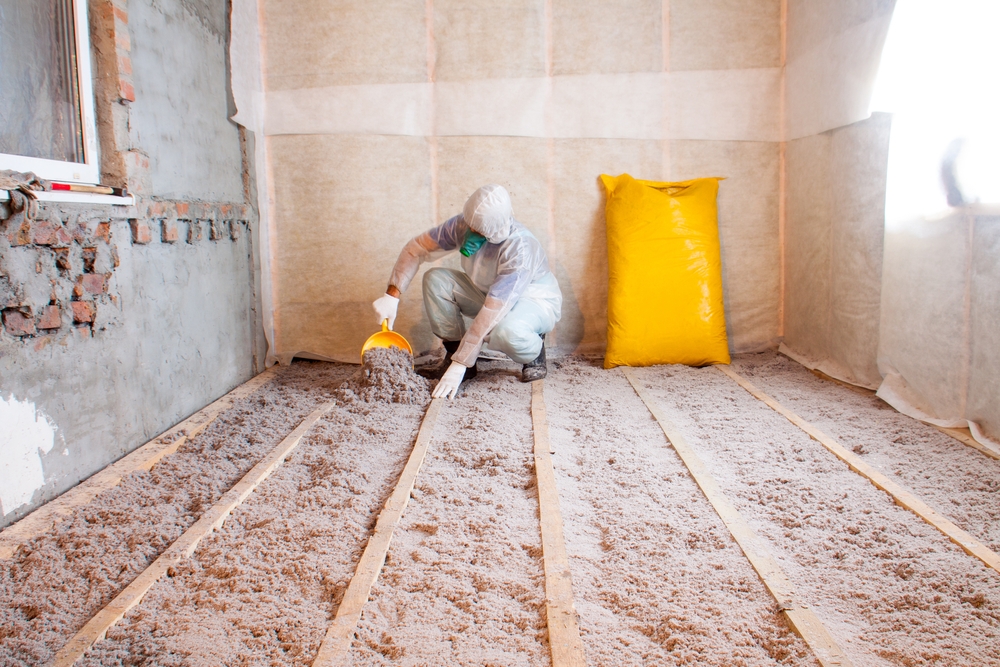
(386, 376)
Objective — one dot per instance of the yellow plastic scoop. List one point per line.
(386, 338)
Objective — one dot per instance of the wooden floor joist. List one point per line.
(143, 458)
(800, 617)
(97, 627)
(564, 630)
(903, 496)
(337, 643)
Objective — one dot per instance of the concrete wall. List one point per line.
(120, 321)
(181, 111)
(352, 184)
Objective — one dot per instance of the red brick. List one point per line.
(51, 318)
(17, 323)
(45, 232)
(94, 283)
(194, 231)
(182, 209)
(21, 235)
(103, 232)
(125, 90)
(121, 15)
(217, 229)
(89, 259)
(141, 233)
(125, 65)
(169, 232)
(62, 259)
(84, 331)
(42, 342)
(83, 311)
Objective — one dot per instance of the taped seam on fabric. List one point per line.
(723, 105)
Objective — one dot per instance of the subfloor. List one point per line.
(657, 577)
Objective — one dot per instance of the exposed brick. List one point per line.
(94, 283)
(17, 323)
(103, 232)
(141, 233)
(217, 229)
(62, 259)
(157, 209)
(121, 14)
(84, 331)
(182, 208)
(89, 258)
(83, 311)
(51, 318)
(125, 65)
(42, 343)
(126, 91)
(168, 233)
(21, 235)
(45, 232)
(115, 260)
(194, 231)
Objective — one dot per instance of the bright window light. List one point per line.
(940, 78)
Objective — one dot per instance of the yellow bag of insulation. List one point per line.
(664, 273)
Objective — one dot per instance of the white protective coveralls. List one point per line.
(506, 288)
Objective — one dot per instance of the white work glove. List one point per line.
(448, 384)
(386, 306)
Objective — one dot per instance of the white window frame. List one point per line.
(57, 170)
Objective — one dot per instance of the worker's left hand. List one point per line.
(448, 384)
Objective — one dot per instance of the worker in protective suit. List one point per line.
(505, 286)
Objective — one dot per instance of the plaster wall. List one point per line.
(120, 321)
(381, 123)
(180, 116)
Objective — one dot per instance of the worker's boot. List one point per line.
(435, 373)
(535, 370)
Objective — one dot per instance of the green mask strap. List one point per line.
(473, 242)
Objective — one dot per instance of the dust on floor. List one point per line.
(56, 582)
(262, 590)
(891, 588)
(657, 577)
(464, 584)
(954, 479)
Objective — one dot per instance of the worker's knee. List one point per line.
(517, 340)
(438, 281)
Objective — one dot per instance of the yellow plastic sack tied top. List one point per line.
(664, 273)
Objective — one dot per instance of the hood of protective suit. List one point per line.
(489, 212)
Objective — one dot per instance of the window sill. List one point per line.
(77, 198)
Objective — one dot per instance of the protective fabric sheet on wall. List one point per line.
(833, 246)
(246, 75)
(939, 345)
(834, 49)
(722, 105)
(381, 119)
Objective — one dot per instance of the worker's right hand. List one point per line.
(385, 306)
